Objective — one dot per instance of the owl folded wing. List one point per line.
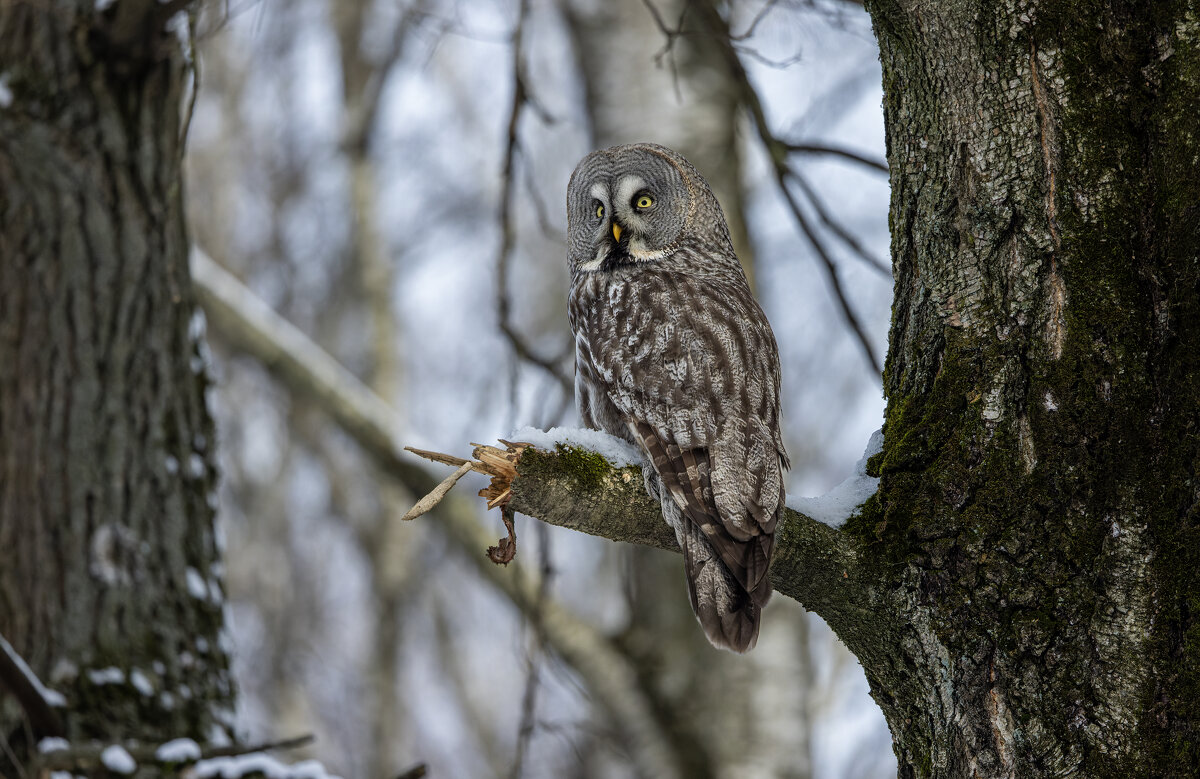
(686, 475)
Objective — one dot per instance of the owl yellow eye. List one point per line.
(643, 201)
(599, 211)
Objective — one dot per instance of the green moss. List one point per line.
(587, 470)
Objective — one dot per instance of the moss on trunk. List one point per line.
(1038, 496)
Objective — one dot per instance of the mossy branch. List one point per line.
(819, 566)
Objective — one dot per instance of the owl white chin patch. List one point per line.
(647, 255)
(634, 253)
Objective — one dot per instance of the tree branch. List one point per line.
(838, 151)
(38, 701)
(815, 564)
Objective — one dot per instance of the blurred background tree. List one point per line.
(389, 178)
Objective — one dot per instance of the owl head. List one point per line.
(629, 206)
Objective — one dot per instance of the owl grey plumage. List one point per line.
(673, 354)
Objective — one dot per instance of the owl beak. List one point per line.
(617, 232)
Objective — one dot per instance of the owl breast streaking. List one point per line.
(673, 354)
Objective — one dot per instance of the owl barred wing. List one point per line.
(686, 476)
(697, 386)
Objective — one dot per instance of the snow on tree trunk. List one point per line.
(1036, 527)
(110, 582)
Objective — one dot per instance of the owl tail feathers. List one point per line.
(729, 615)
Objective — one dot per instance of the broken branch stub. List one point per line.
(501, 465)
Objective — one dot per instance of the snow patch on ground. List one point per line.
(180, 750)
(117, 760)
(839, 504)
(619, 453)
(241, 765)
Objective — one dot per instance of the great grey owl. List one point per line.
(673, 354)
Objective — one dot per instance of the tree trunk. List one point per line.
(1036, 526)
(110, 582)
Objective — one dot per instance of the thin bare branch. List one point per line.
(520, 99)
(837, 151)
(39, 702)
(426, 503)
(831, 273)
(758, 17)
(668, 49)
(838, 229)
(761, 58)
(533, 672)
(777, 150)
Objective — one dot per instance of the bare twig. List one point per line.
(668, 49)
(432, 499)
(761, 58)
(837, 151)
(758, 17)
(838, 229)
(533, 674)
(520, 99)
(441, 457)
(38, 701)
(777, 151)
(831, 270)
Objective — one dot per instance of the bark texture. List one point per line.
(110, 581)
(1035, 530)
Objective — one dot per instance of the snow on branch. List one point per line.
(41, 704)
(227, 762)
(580, 489)
(839, 504)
